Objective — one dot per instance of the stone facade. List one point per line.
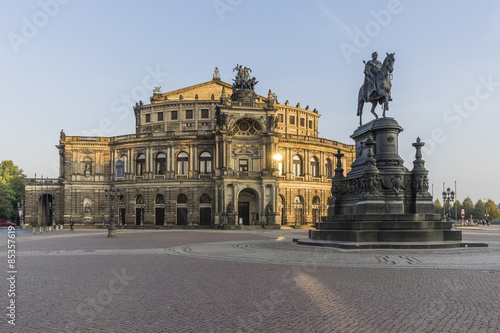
(198, 157)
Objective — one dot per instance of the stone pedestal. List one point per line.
(243, 95)
(380, 203)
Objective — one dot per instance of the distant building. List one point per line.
(200, 155)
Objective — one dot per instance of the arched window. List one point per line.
(160, 199)
(297, 165)
(139, 200)
(182, 199)
(161, 164)
(120, 169)
(141, 164)
(328, 168)
(205, 199)
(182, 163)
(314, 167)
(205, 162)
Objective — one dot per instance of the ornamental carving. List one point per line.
(247, 150)
(421, 184)
(396, 183)
(247, 127)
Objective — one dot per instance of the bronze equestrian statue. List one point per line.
(377, 85)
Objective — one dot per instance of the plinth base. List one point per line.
(111, 232)
(395, 231)
(388, 245)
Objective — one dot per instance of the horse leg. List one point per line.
(374, 104)
(386, 104)
(360, 110)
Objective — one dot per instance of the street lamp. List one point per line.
(112, 194)
(277, 158)
(448, 196)
(486, 215)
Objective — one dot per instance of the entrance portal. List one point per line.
(244, 212)
(248, 207)
(46, 210)
(182, 216)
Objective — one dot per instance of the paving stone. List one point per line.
(242, 281)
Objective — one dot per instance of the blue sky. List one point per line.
(80, 65)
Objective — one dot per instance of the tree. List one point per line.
(6, 200)
(468, 206)
(438, 209)
(493, 211)
(12, 181)
(9, 170)
(456, 210)
(479, 210)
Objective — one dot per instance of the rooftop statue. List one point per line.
(242, 79)
(377, 85)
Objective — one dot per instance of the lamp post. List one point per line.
(20, 205)
(486, 215)
(448, 196)
(112, 194)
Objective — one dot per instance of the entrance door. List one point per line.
(182, 216)
(244, 212)
(315, 215)
(205, 216)
(159, 215)
(138, 215)
(122, 216)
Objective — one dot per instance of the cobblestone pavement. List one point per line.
(246, 281)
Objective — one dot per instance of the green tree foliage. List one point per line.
(438, 209)
(479, 210)
(468, 206)
(12, 182)
(456, 210)
(493, 211)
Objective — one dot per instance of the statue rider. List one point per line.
(372, 68)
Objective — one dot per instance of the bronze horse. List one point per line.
(382, 92)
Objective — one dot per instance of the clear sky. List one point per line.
(81, 65)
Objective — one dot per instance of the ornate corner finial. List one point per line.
(370, 144)
(339, 171)
(216, 75)
(419, 162)
(157, 90)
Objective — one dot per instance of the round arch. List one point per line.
(249, 206)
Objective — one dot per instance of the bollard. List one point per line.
(34, 231)
(41, 230)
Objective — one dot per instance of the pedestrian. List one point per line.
(71, 224)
